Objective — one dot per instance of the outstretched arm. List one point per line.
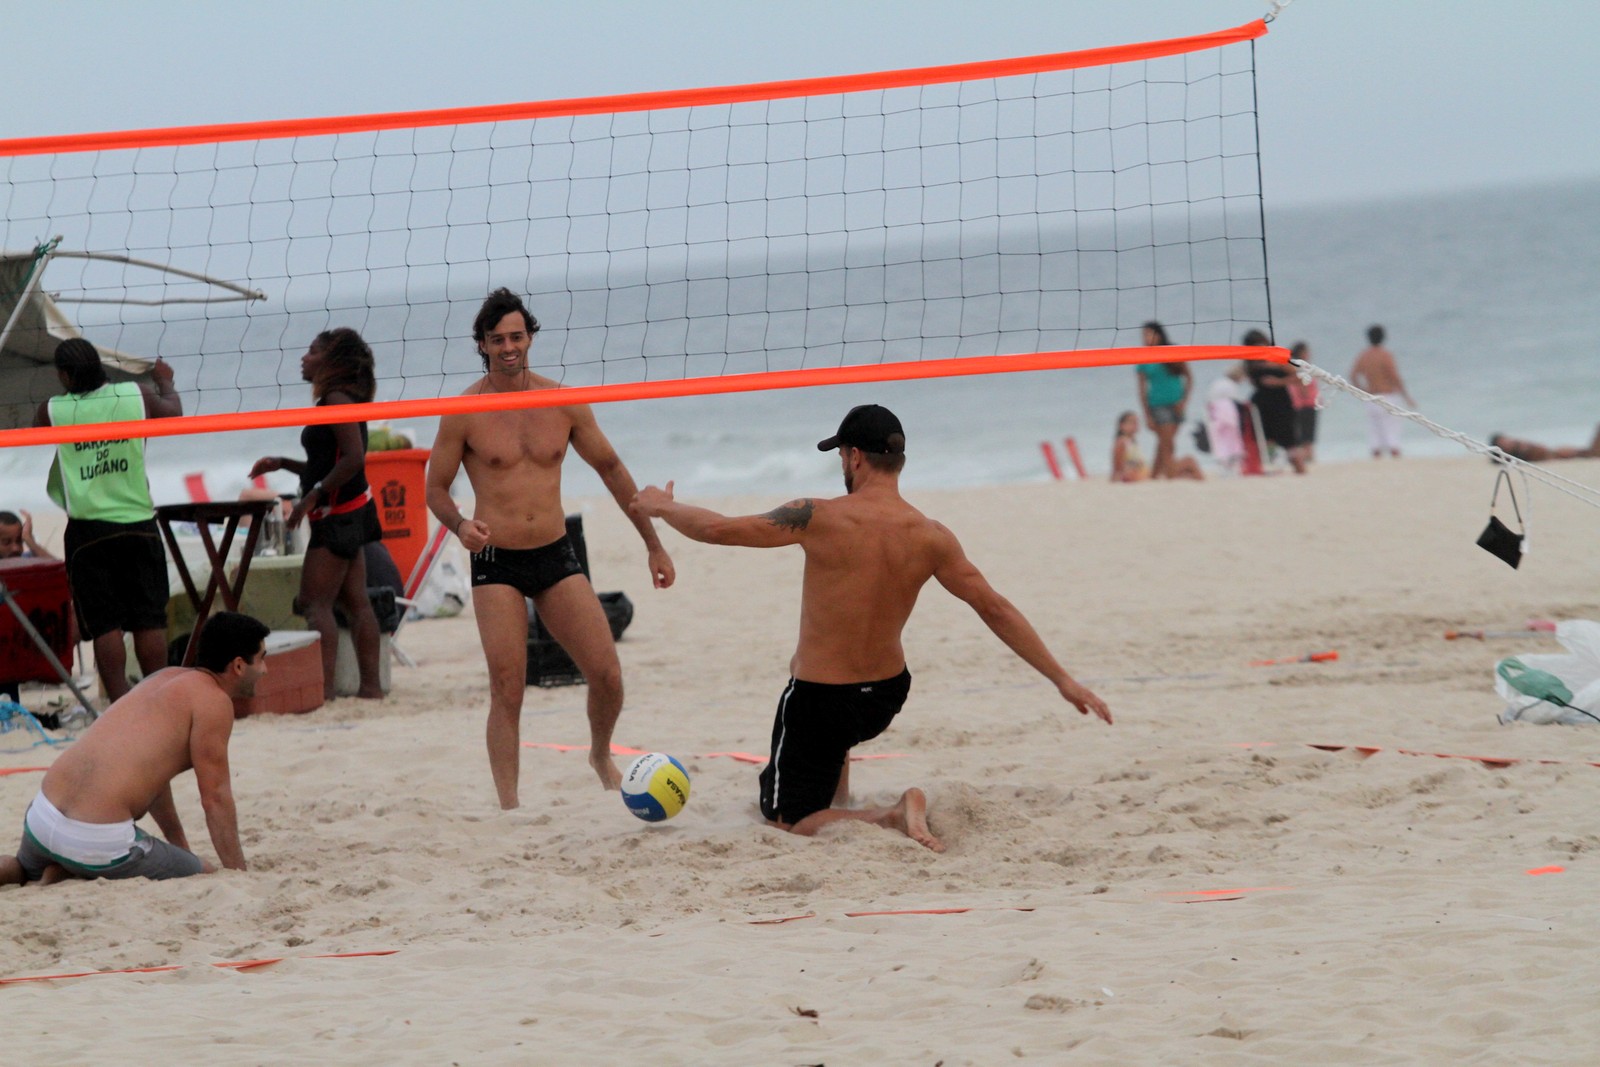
(784, 525)
(591, 444)
(958, 575)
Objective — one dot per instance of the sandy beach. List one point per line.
(1222, 876)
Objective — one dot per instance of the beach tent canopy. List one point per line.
(32, 324)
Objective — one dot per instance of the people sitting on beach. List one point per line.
(82, 822)
(1127, 459)
(16, 537)
(1536, 453)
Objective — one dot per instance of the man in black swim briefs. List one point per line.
(868, 554)
(518, 538)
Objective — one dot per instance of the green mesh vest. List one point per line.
(102, 480)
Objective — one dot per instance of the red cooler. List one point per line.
(39, 588)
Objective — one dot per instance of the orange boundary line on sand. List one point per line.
(871, 914)
(20, 770)
(1370, 750)
(629, 102)
(742, 757)
(1487, 761)
(234, 965)
(396, 410)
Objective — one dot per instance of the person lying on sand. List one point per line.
(1536, 453)
(868, 554)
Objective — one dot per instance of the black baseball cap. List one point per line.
(871, 428)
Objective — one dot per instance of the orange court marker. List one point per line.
(1050, 459)
(1361, 750)
(21, 770)
(742, 757)
(1077, 460)
(616, 750)
(926, 911)
(783, 919)
(1545, 870)
(1311, 657)
(238, 965)
(1230, 893)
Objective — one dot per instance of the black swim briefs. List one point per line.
(812, 734)
(528, 570)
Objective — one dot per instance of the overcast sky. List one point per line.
(1359, 98)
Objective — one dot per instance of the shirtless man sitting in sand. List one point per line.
(868, 554)
(81, 823)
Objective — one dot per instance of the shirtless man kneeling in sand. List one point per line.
(868, 554)
(81, 824)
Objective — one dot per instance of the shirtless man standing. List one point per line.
(81, 823)
(1375, 372)
(868, 554)
(518, 538)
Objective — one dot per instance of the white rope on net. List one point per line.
(1277, 7)
(1528, 471)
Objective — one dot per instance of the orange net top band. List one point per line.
(597, 394)
(597, 105)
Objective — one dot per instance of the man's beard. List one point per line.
(849, 481)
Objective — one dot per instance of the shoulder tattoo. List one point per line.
(795, 515)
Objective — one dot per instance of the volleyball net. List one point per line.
(1019, 214)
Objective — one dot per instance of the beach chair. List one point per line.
(431, 554)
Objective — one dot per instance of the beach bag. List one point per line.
(1497, 538)
(1202, 437)
(1545, 688)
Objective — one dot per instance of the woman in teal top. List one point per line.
(1163, 391)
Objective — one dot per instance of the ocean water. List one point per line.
(1491, 299)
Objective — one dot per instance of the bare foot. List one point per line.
(53, 874)
(606, 768)
(10, 871)
(910, 817)
(375, 693)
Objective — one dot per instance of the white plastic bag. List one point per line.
(1578, 671)
(447, 589)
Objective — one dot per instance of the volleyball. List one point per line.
(655, 787)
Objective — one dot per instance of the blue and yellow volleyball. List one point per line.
(655, 787)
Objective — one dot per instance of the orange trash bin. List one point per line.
(399, 485)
